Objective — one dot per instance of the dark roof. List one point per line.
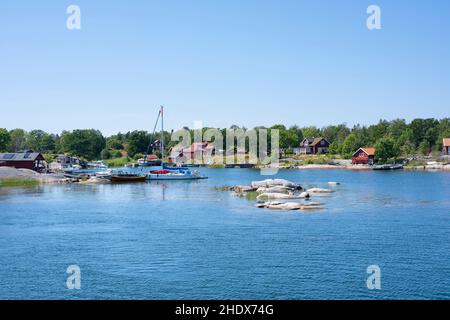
(313, 141)
(26, 156)
(310, 140)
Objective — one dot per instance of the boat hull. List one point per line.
(388, 167)
(173, 177)
(240, 165)
(127, 178)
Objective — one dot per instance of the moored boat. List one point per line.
(97, 165)
(191, 165)
(106, 174)
(144, 162)
(165, 171)
(165, 174)
(127, 177)
(388, 167)
(240, 165)
(69, 168)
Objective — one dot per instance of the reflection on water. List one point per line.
(10, 191)
(185, 239)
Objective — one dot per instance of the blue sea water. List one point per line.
(186, 240)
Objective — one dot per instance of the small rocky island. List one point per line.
(278, 194)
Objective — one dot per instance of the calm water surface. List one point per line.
(185, 240)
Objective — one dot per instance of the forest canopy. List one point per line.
(396, 138)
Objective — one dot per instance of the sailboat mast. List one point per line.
(162, 134)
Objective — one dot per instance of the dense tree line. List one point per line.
(391, 138)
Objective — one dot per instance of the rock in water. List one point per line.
(310, 208)
(312, 204)
(268, 203)
(320, 190)
(285, 206)
(273, 195)
(241, 189)
(276, 182)
(304, 195)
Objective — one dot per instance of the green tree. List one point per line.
(39, 140)
(288, 138)
(116, 154)
(114, 143)
(309, 132)
(138, 156)
(105, 154)
(424, 148)
(83, 143)
(336, 134)
(17, 141)
(403, 142)
(396, 128)
(335, 148)
(5, 139)
(376, 132)
(350, 145)
(137, 142)
(424, 129)
(385, 150)
(298, 132)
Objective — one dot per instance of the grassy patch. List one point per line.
(118, 162)
(223, 188)
(313, 159)
(248, 195)
(214, 166)
(14, 182)
(415, 163)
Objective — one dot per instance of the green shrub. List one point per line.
(118, 162)
(116, 154)
(105, 154)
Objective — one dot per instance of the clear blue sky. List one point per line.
(246, 62)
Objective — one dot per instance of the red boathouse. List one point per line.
(26, 160)
(364, 156)
(446, 146)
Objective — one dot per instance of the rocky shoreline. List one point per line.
(26, 174)
(443, 167)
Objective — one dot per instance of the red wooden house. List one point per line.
(25, 160)
(364, 156)
(314, 146)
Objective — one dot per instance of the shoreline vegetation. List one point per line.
(418, 145)
(16, 182)
(392, 140)
(12, 177)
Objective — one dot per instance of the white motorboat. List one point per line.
(97, 164)
(68, 168)
(104, 174)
